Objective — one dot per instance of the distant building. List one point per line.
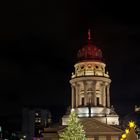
(33, 122)
(90, 84)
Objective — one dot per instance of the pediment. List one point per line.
(90, 125)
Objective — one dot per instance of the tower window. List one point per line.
(96, 67)
(82, 67)
(98, 101)
(82, 101)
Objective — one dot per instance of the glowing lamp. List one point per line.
(126, 131)
(72, 110)
(121, 139)
(123, 136)
(131, 124)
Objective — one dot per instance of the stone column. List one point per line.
(77, 95)
(72, 97)
(85, 93)
(104, 95)
(108, 96)
(94, 94)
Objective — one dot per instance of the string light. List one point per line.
(126, 130)
(131, 124)
(123, 136)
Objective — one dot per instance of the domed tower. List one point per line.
(90, 85)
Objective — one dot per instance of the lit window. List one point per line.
(36, 114)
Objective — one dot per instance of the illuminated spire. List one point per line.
(89, 35)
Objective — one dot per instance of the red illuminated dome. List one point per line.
(90, 52)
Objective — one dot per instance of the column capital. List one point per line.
(77, 84)
(73, 85)
(107, 84)
(85, 82)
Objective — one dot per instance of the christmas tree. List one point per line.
(132, 135)
(74, 130)
(130, 132)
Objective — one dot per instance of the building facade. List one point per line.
(90, 83)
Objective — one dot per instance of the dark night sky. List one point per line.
(38, 45)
